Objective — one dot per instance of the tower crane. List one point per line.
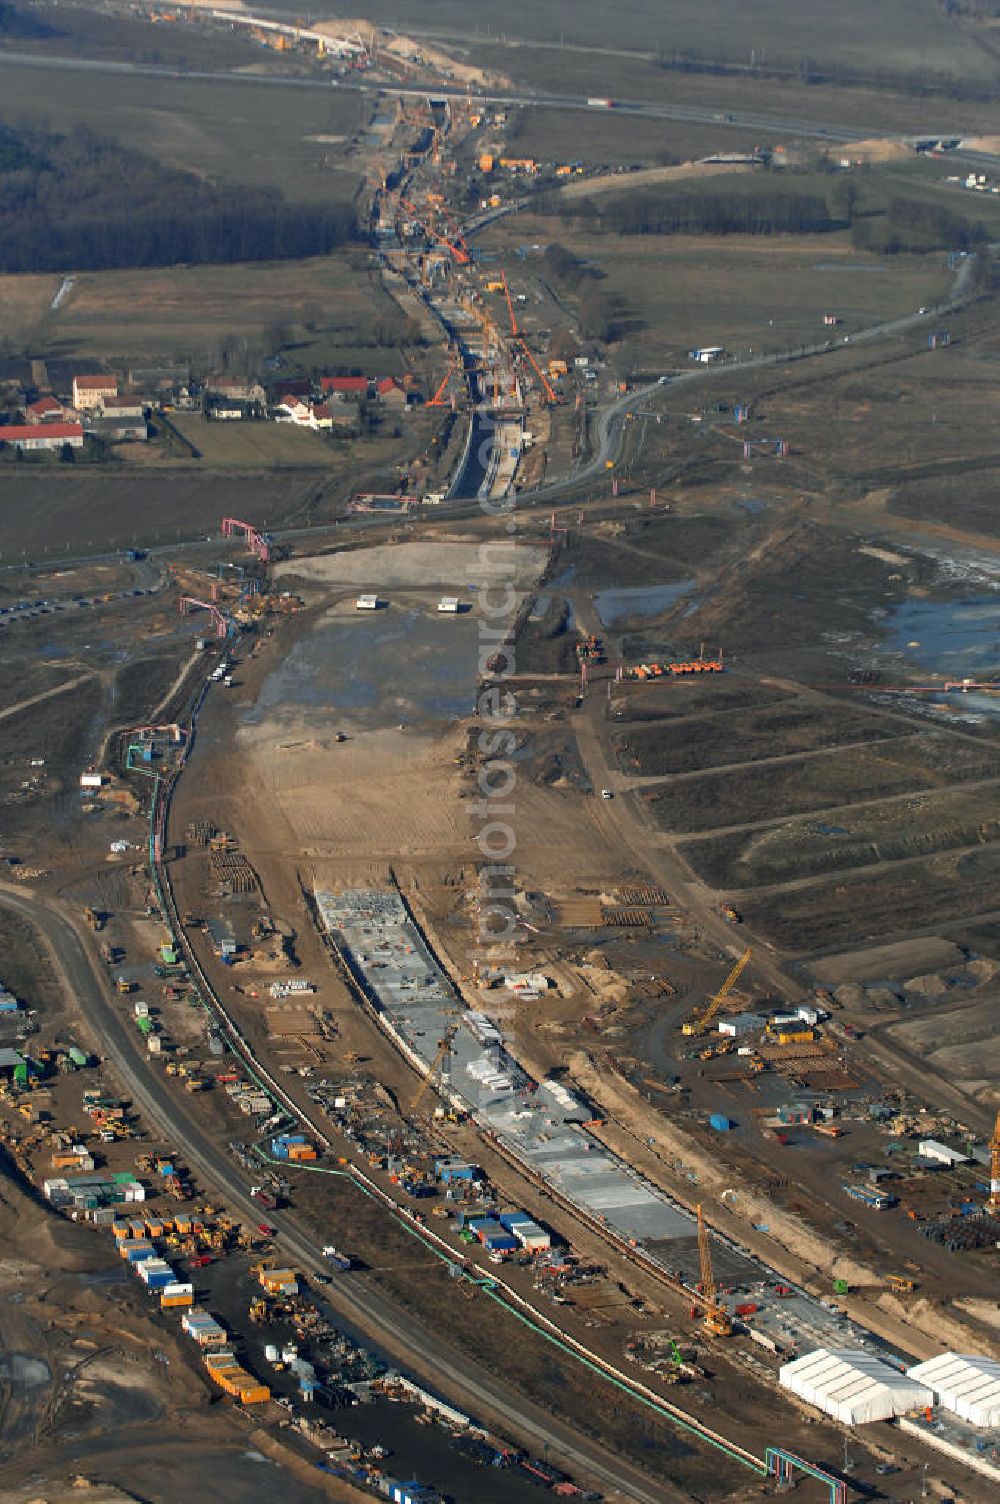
(443, 1048)
(700, 1023)
(994, 1201)
(717, 1318)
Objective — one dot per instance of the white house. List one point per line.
(90, 391)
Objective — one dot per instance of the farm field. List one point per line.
(860, 837)
(904, 34)
(152, 314)
(55, 510)
(924, 761)
(688, 745)
(133, 314)
(746, 292)
(592, 137)
(291, 139)
(235, 445)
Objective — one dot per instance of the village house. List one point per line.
(304, 414)
(39, 436)
(126, 405)
(391, 394)
(89, 391)
(236, 389)
(45, 410)
(345, 388)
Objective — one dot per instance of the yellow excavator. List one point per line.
(701, 1022)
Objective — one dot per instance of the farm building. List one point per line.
(37, 436)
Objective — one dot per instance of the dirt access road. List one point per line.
(621, 825)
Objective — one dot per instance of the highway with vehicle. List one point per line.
(753, 120)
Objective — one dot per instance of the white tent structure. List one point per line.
(854, 1387)
(968, 1386)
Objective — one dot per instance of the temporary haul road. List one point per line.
(692, 114)
(379, 1320)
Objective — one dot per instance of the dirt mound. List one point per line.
(31, 1235)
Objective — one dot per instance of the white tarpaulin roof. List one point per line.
(969, 1386)
(854, 1387)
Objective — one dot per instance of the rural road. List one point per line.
(612, 419)
(444, 1368)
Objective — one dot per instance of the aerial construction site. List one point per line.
(499, 907)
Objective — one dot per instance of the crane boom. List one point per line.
(515, 331)
(551, 395)
(702, 1022)
(459, 253)
(717, 1318)
(994, 1201)
(444, 1045)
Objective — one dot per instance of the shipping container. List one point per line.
(720, 1122)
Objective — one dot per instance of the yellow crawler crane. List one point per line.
(701, 1022)
(717, 1318)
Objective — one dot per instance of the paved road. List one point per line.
(445, 1368)
(699, 114)
(612, 419)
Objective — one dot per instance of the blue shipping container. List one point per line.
(720, 1123)
(510, 1219)
(500, 1242)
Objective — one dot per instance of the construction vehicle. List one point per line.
(123, 985)
(716, 1318)
(258, 1311)
(899, 1284)
(93, 918)
(701, 1022)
